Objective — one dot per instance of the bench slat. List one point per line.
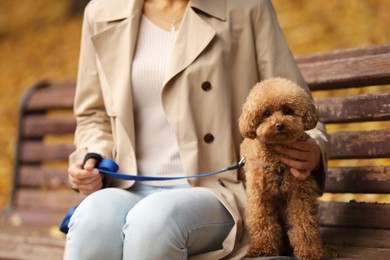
(357, 108)
(40, 177)
(51, 96)
(38, 152)
(344, 53)
(14, 246)
(354, 214)
(47, 201)
(350, 243)
(364, 179)
(350, 72)
(38, 220)
(353, 253)
(353, 237)
(37, 126)
(360, 144)
(356, 243)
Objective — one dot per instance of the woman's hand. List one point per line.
(301, 156)
(87, 180)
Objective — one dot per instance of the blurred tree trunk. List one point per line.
(77, 7)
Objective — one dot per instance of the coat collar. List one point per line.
(214, 8)
(122, 9)
(108, 11)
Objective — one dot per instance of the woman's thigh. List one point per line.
(177, 223)
(95, 229)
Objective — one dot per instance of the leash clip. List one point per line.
(235, 166)
(242, 162)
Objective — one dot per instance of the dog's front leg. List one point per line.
(302, 217)
(262, 221)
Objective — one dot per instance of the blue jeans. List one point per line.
(147, 222)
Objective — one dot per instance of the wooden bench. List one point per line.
(353, 229)
(41, 196)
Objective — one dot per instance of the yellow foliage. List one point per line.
(312, 26)
(40, 41)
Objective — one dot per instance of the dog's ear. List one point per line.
(311, 116)
(248, 124)
(249, 119)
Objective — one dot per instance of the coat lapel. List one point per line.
(189, 43)
(194, 35)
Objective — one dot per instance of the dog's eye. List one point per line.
(288, 111)
(266, 114)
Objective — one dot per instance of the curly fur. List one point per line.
(278, 111)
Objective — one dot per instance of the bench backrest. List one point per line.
(358, 123)
(44, 142)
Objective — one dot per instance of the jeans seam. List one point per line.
(211, 225)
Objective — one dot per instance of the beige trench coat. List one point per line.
(222, 49)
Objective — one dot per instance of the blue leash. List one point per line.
(110, 168)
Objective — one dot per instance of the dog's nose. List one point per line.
(279, 126)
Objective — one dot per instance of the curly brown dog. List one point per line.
(278, 111)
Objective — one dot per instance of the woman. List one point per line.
(160, 89)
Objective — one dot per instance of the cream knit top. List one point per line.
(157, 150)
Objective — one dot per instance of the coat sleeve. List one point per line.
(274, 59)
(93, 131)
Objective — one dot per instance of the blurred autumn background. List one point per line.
(39, 40)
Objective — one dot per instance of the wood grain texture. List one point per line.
(355, 214)
(362, 179)
(345, 69)
(356, 108)
(360, 144)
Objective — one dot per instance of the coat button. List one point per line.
(206, 86)
(208, 138)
